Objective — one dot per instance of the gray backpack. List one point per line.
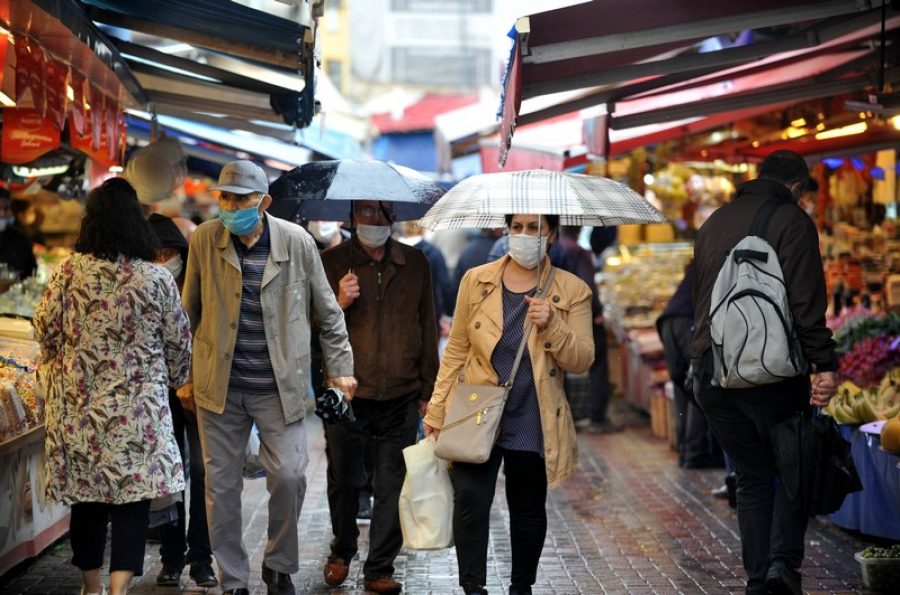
(752, 330)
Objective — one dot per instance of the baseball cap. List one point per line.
(242, 177)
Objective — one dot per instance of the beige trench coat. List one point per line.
(566, 345)
(293, 287)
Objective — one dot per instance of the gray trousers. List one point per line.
(283, 455)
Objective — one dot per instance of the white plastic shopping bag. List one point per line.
(426, 500)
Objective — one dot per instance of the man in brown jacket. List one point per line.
(771, 532)
(384, 288)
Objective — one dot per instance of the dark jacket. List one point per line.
(794, 237)
(391, 324)
(17, 251)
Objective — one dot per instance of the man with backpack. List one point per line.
(761, 352)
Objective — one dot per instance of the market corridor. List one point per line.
(630, 521)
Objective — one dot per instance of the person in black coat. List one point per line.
(16, 248)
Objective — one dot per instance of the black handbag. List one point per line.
(814, 462)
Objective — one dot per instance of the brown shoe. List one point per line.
(383, 584)
(335, 571)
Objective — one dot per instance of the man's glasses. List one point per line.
(372, 213)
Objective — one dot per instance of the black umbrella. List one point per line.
(325, 190)
(814, 462)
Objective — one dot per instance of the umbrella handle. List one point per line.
(540, 256)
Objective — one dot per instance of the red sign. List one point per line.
(4, 43)
(37, 79)
(26, 135)
(57, 77)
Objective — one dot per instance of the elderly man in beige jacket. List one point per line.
(252, 281)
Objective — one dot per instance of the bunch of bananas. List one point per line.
(854, 405)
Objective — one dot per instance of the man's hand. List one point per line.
(346, 384)
(539, 312)
(185, 394)
(824, 385)
(348, 290)
(429, 431)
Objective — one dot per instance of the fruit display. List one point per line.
(854, 405)
(880, 568)
(21, 407)
(859, 324)
(869, 359)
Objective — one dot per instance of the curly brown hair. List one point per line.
(113, 224)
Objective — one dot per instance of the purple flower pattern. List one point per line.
(114, 339)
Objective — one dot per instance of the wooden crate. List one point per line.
(659, 423)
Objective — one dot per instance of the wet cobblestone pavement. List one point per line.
(630, 521)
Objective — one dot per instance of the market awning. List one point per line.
(253, 65)
(654, 44)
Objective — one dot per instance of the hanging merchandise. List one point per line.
(26, 135)
(78, 108)
(37, 79)
(23, 69)
(57, 79)
(84, 142)
(110, 119)
(98, 108)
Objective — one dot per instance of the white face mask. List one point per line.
(323, 231)
(174, 265)
(373, 236)
(6, 222)
(526, 250)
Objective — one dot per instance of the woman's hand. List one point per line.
(429, 431)
(539, 312)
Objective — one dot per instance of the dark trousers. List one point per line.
(173, 539)
(526, 495)
(392, 425)
(599, 377)
(741, 420)
(696, 445)
(87, 534)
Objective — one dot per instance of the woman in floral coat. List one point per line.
(114, 338)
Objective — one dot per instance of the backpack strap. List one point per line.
(764, 215)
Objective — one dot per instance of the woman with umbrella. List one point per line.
(536, 442)
(537, 436)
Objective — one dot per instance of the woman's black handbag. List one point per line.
(814, 462)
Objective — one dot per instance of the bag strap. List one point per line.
(764, 215)
(527, 330)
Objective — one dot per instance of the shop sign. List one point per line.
(26, 135)
(57, 78)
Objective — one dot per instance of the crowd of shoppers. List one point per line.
(161, 351)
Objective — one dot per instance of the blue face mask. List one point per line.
(241, 221)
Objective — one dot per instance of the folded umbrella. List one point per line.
(325, 190)
(814, 462)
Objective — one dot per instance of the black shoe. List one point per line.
(277, 582)
(474, 590)
(782, 580)
(169, 576)
(203, 574)
(731, 484)
(238, 591)
(514, 590)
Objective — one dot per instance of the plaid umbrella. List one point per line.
(482, 201)
(325, 190)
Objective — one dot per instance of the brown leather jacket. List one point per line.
(391, 323)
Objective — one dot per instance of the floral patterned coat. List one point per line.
(114, 337)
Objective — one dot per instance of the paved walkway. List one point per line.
(630, 521)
